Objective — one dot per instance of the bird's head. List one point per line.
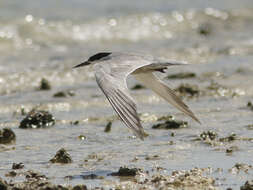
(94, 58)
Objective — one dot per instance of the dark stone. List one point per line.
(108, 127)
(137, 87)
(60, 94)
(123, 171)
(7, 136)
(17, 166)
(61, 157)
(44, 84)
(171, 124)
(37, 119)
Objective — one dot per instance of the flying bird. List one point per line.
(111, 72)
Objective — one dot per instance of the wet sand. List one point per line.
(179, 155)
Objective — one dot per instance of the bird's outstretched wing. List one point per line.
(151, 81)
(115, 90)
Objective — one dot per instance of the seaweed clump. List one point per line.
(124, 171)
(37, 119)
(170, 123)
(7, 136)
(61, 157)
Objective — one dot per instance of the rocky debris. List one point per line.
(108, 127)
(229, 138)
(192, 179)
(37, 119)
(238, 167)
(247, 186)
(170, 123)
(182, 75)
(18, 166)
(7, 136)
(44, 84)
(61, 157)
(231, 149)
(216, 89)
(124, 171)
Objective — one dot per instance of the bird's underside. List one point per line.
(111, 77)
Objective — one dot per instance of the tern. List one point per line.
(111, 72)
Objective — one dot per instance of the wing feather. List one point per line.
(115, 91)
(158, 86)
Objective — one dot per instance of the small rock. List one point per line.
(250, 106)
(61, 157)
(74, 122)
(7, 136)
(63, 94)
(92, 176)
(205, 29)
(108, 127)
(182, 75)
(137, 87)
(44, 84)
(187, 89)
(170, 123)
(60, 94)
(229, 138)
(37, 119)
(247, 186)
(210, 135)
(123, 171)
(155, 157)
(17, 166)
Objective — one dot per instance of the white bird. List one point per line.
(111, 71)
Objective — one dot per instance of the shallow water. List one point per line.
(47, 42)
